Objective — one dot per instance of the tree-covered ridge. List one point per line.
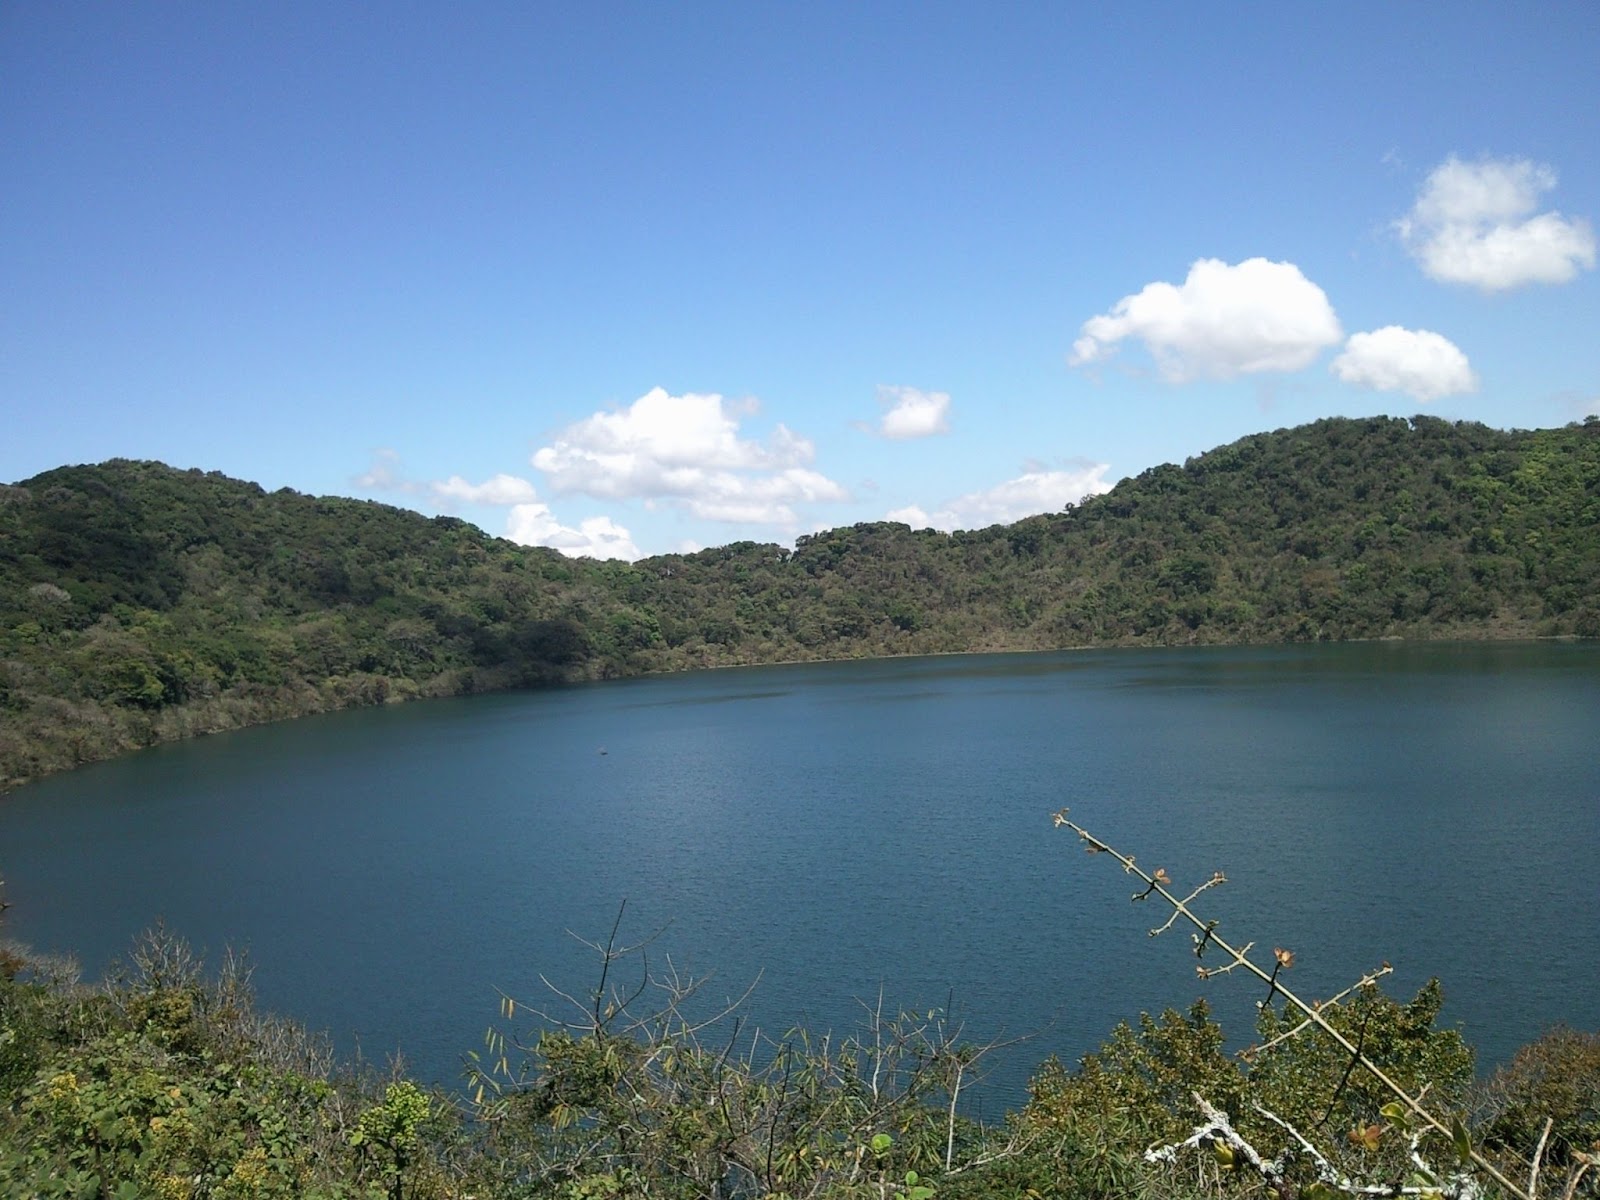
(140, 603)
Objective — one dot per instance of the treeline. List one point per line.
(139, 603)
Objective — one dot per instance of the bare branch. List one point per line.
(1538, 1157)
(1239, 959)
(1367, 980)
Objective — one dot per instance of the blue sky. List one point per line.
(634, 279)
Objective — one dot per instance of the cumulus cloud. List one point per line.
(498, 490)
(1221, 322)
(913, 413)
(1035, 491)
(656, 444)
(687, 450)
(1475, 223)
(533, 524)
(530, 521)
(1417, 362)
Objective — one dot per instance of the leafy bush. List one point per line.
(167, 1084)
(1556, 1078)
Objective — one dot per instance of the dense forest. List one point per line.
(140, 603)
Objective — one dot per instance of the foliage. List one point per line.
(1359, 1062)
(139, 603)
(1556, 1078)
(633, 1093)
(1142, 1076)
(167, 1084)
(1138, 1090)
(1090, 1126)
(1304, 1081)
(391, 1130)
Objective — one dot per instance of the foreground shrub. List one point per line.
(167, 1084)
(1554, 1079)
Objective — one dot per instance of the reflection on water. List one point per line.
(839, 828)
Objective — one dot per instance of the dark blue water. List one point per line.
(838, 829)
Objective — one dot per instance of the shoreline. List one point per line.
(416, 693)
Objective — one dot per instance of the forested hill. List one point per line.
(141, 603)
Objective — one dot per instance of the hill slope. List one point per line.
(139, 603)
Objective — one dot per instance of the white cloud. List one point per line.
(384, 474)
(913, 413)
(498, 489)
(1034, 491)
(595, 537)
(687, 450)
(1222, 322)
(647, 448)
(1473, 223)
(760, 499)
(1417, 362)
(911, 515)
(530, 522)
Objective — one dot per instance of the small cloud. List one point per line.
(760, 499)
(530, 522)
(1221, 322)
(595, 537)
(1475, 223)
(384, 474)
(497, 490)
(910, 515)
(1419, 363)
(1577, 405)
(913, 413)
(1034, 491)
(686, 450)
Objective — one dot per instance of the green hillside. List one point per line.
(140, 603)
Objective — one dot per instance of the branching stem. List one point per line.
(1239, 958)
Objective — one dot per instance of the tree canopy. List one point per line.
(141, 603)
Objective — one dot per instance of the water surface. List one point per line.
(843, 828)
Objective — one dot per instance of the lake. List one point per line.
(836, 830)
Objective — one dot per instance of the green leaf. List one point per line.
(1462, 1139)
(881, 1143)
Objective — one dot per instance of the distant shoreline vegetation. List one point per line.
(141, 604)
